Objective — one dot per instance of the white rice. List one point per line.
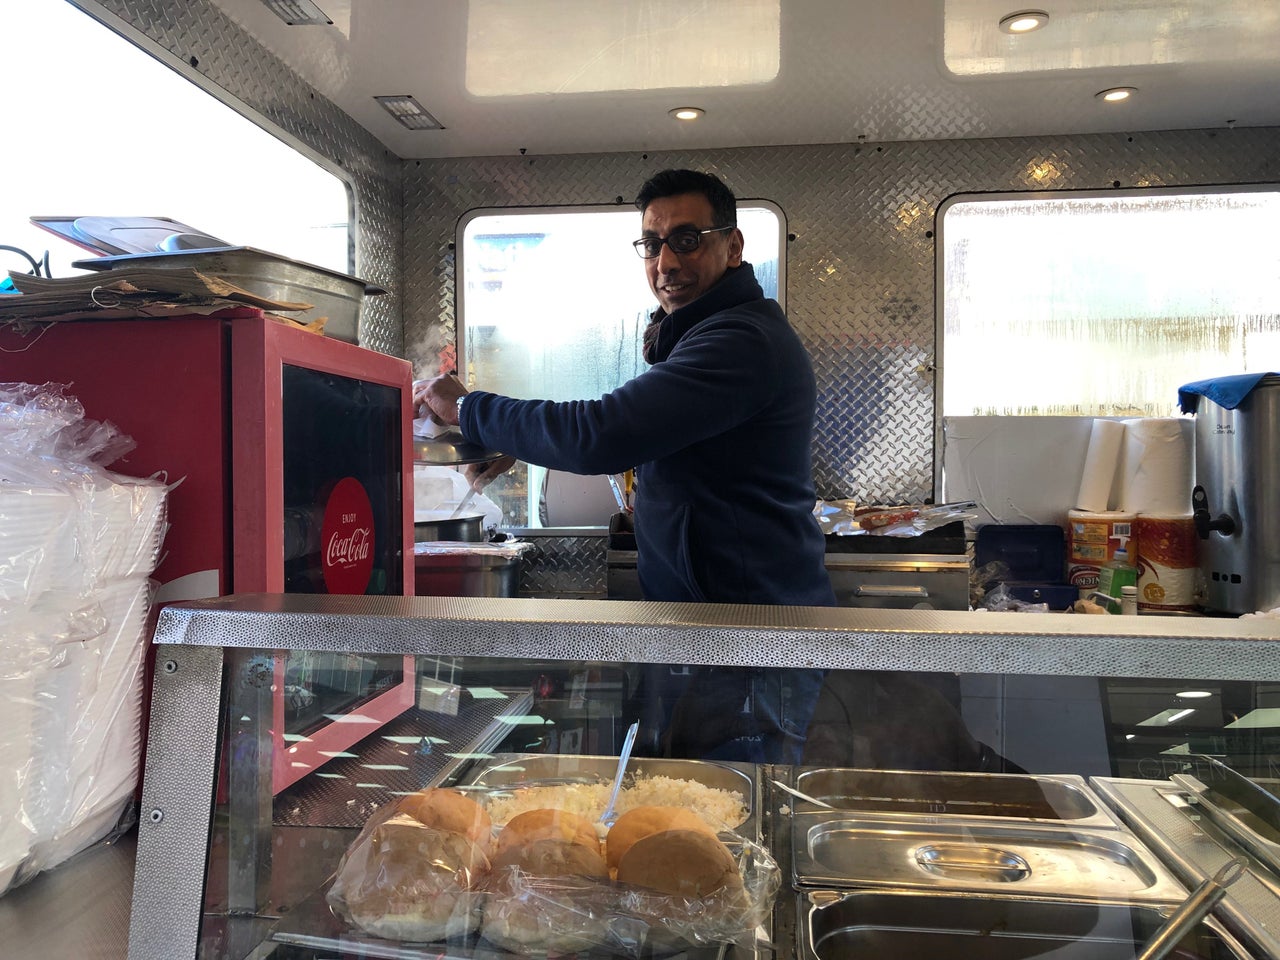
(721, 809)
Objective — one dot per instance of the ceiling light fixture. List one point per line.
(1024, 21)
(1194, 694)
(1116, 94)
(410, 113)
(297, 13)
(686, 113)
(1165, 717)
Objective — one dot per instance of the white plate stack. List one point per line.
(76, 552)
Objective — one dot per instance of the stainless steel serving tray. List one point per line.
(1248, 810)
(335, 296)
(1059, 798)
(507, 772)
(1029, 860)
(844, 925)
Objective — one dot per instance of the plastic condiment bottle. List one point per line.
(1129, 600)
(1115, 575)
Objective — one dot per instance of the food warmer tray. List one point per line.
(1028, 860)
(504, 772)
(311, 924)
(834, 925)
(1022, 798)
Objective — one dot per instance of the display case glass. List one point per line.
(990, 764)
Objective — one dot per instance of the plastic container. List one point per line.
(1116, 574)
(1129, 601)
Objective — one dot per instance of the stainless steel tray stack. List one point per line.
(1199, 821)
(959, 864)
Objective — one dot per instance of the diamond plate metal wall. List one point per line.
(200, 41)
(860, 259)
(564, 566)
(860, 277)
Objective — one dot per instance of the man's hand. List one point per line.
(440, 397)
(483, 474)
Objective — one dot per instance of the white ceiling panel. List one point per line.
(578, 76)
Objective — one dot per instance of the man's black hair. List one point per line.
(673, 183)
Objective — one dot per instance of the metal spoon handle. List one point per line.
(1194, 909)
(803, 796)
(462, 504)
(623, 757)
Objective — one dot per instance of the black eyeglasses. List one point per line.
(680, 241)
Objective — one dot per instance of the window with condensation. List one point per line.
(169, 149)
(1103, 305)
(552, 304)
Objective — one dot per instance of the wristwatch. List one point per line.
(459, 411)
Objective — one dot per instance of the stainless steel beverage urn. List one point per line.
(1236, 499)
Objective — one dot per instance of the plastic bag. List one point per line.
(401, 880)
(77, 546)
(535, 915)
(1002, 600)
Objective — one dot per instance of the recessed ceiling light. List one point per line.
(1116, 94)
(1194, 694)
(410, 113)
(686, 113)
(1024, 21)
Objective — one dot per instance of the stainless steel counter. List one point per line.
(79, 909)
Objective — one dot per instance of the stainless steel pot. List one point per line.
(439, 525)
(1236, 507)
(466, 575)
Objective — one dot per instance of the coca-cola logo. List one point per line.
(346, 538)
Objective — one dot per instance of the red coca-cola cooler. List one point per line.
(290, 465)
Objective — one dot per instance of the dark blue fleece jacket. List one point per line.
(721, 429)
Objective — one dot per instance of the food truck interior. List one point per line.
(1000, 233)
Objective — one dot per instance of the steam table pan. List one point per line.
(1029, 860)
(333, 295)
(506, 772)
(862, 925)
(1058, 798)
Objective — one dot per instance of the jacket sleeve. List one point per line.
(719, 375)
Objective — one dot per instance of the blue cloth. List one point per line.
(1226, 392)
(721, 427)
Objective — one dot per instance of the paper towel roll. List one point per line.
(1168, 562)
(1157, 465)
(1100, 461)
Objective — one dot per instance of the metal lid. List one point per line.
(450, 450)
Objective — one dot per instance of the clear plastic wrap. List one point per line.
(400, 880)
(846, 518)
(77, 545)
(533, 916)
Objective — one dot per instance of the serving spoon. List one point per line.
(803, 796)
(607, 816)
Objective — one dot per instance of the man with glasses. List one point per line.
(720, 426)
